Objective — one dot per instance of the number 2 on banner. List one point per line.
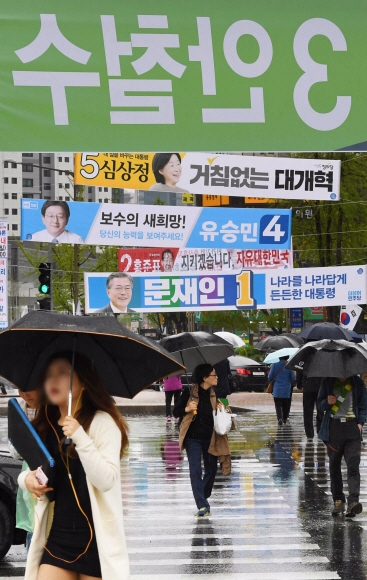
(244, 282)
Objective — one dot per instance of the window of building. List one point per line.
(6, 211)
(67, 198)
(100, 200)
(27, 154)
(90, 190)
(60, 159)
(67, 185)
(105, 189)
(6, 179)
(14, 212)
(6, 164)
(61, 172)
(14, 196)
(47, 186)
(100, 189)
(47, 160)
(106, 200)
(47, 197)
(28, 168)
(14, 180)
(67, 159)
(47, 173)
(6, 196)
(29, 195)
(27, 182)
(60, 197)
(14, 227)
(60, 185)
(14, 165)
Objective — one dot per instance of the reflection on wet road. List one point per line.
(270, 520)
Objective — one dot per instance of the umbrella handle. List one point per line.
(68, 441)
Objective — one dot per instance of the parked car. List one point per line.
(9, 534)
(248, 374)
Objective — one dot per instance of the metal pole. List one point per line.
(76, 281)
(51, 270)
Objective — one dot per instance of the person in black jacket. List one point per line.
(223, 370)
(310, 387)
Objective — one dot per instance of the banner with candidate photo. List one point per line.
(120, 292)
(112, 224)
(200, 260)
(213, 174)
(3, 274)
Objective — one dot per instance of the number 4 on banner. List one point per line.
(245, 290)
(274, 229)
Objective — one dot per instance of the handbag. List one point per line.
(222, 421)
(270, 387)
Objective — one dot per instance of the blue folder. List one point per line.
(23, 436)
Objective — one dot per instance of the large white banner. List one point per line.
(246, 290)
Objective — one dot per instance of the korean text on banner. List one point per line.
(112, 224)
(3, 274)
(200, 260)
(247, 290)
(193, 76)
(210, 174)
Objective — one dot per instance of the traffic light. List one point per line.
(44, 278)
(45, 303)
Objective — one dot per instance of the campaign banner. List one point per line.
(200, 260)
(208, 173)
(112, 224)
(4, 275)
(192, 76)
(294, 288)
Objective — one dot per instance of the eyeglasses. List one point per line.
(215, 375)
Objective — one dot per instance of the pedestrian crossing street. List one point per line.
(259, 528)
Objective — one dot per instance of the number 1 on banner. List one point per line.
(244, 294)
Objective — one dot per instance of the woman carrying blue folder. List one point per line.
(79, 535)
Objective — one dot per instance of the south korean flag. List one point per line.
(349, 316)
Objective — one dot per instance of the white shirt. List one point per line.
(65, 237)
(117, 310)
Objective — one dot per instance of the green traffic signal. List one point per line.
(44, 289)
(44, 278)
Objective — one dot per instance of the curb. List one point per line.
(141, 410)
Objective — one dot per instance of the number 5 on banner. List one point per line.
(245, 290)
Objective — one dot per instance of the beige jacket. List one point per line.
(219, 445)
(99, 452)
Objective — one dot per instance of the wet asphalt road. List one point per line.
(270, 520)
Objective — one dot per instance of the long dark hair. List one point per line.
(94, 398)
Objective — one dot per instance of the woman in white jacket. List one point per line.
(79, 532)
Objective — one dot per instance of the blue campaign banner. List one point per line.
(115, 224)
(119, 292)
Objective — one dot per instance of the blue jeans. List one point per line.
(201, 487)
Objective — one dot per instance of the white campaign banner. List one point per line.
(255, 176)
(244, 290)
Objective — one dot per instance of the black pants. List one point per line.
(201, 486)
(309, 402)
(282, 408)
(344, 441)
(169, 395)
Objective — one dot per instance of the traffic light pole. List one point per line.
(76, 281)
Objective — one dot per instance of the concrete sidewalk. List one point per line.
(149, 402)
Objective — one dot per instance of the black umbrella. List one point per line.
(328, 330)
(330, 358)
(273, 343)
(195, 348)
(126, 362)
